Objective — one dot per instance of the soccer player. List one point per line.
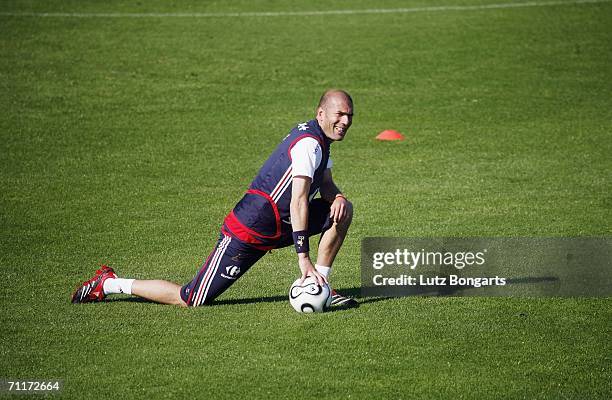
(278, 209)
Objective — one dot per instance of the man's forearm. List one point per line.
(299, 224)
(298, 209)
(329, 192)
(299, 214)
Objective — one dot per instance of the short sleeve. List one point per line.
(305, 157)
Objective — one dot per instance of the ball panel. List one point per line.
(307, 308)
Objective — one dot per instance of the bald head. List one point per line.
(335, 113)
(335, 94)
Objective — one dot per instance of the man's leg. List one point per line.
(332, 239)
(229, 261)
(163, 292)
(106, 282)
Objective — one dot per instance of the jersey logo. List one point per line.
(303, 126)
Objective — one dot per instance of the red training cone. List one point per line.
(390, 134)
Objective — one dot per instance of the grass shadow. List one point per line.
(369, 296)
(354, 292)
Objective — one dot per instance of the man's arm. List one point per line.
(331, 193)
(299, 222)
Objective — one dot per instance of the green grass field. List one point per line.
(115, 139)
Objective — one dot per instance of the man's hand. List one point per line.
(338, 209)
(309, 270)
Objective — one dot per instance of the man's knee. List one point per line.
(349, 215)
(349, 209)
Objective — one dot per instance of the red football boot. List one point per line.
(92, 290)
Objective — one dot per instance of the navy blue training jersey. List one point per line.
(262, 216)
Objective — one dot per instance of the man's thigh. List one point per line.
(227, 263)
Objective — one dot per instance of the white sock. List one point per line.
(118, 285)
(325, 271)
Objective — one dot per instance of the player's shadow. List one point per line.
(354, 292)
(364, 297)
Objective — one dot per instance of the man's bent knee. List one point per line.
(349, 209)
(349, 215)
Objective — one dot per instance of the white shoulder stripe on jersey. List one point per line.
(281, 183)
(282, 191)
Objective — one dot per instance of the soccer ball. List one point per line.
(309, 296)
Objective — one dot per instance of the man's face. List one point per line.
(335, 117)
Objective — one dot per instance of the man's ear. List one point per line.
(319, 112)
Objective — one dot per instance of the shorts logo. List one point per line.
(232, 272)
(238, 257)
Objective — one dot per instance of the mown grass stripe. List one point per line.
(302, 13)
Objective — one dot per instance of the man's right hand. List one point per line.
(309, 270)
